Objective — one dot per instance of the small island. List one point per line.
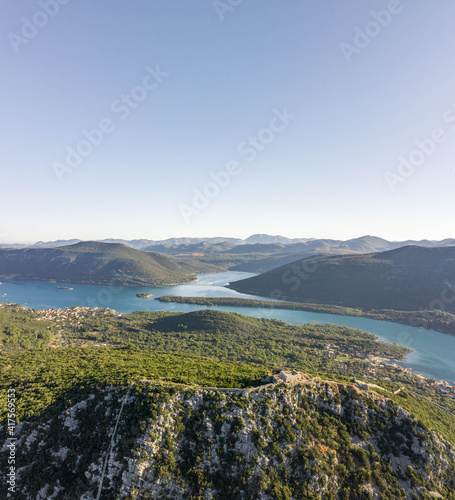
(64, 288)
(143, 295)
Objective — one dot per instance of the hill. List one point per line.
(259, 263)
(259, 248)
(194, 248)
(93, 262)
(212, 333)
(367, 244)
(315, 348)
(230, 336)
(258, 253)
(440, 321)
(267, 239)
(194, 415)
(261, 253)
(105, 421)
(407, 279)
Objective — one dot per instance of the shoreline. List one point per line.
(409, 318)
(95, 283)
(270, 304)
(391, 362)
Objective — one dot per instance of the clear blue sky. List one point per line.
(225, 75)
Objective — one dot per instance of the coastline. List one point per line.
(98, 283)
(416, 319)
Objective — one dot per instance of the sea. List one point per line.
(432, 352)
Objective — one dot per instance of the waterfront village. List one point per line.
(372, 360)
(75, 313)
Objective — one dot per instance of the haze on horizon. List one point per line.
(71, 241)
(159, 120)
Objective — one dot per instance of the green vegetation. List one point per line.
(224, 336)
(259, 257)
(143, 295)
(230, 336)
(20, 329)
(93, 262)
(225, 261)
(432, 416)
(272, 343)
(53, 377)
(321, 439)
(315, 441)
(437, 320)
(406, 279)
(308, 447)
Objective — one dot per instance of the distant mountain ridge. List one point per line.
(93, 262)
(191, 248)
(259, 253)
(365, 243)
(407, 279)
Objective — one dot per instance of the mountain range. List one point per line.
(361, 244)
(179, 260)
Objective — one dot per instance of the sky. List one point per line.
(156, 119)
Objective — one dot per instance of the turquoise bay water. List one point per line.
(433, 353)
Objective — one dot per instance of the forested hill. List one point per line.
(92, 262)
(183, 405)
(90, 433)
(406, 279)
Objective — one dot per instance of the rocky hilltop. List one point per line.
(315, 439)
